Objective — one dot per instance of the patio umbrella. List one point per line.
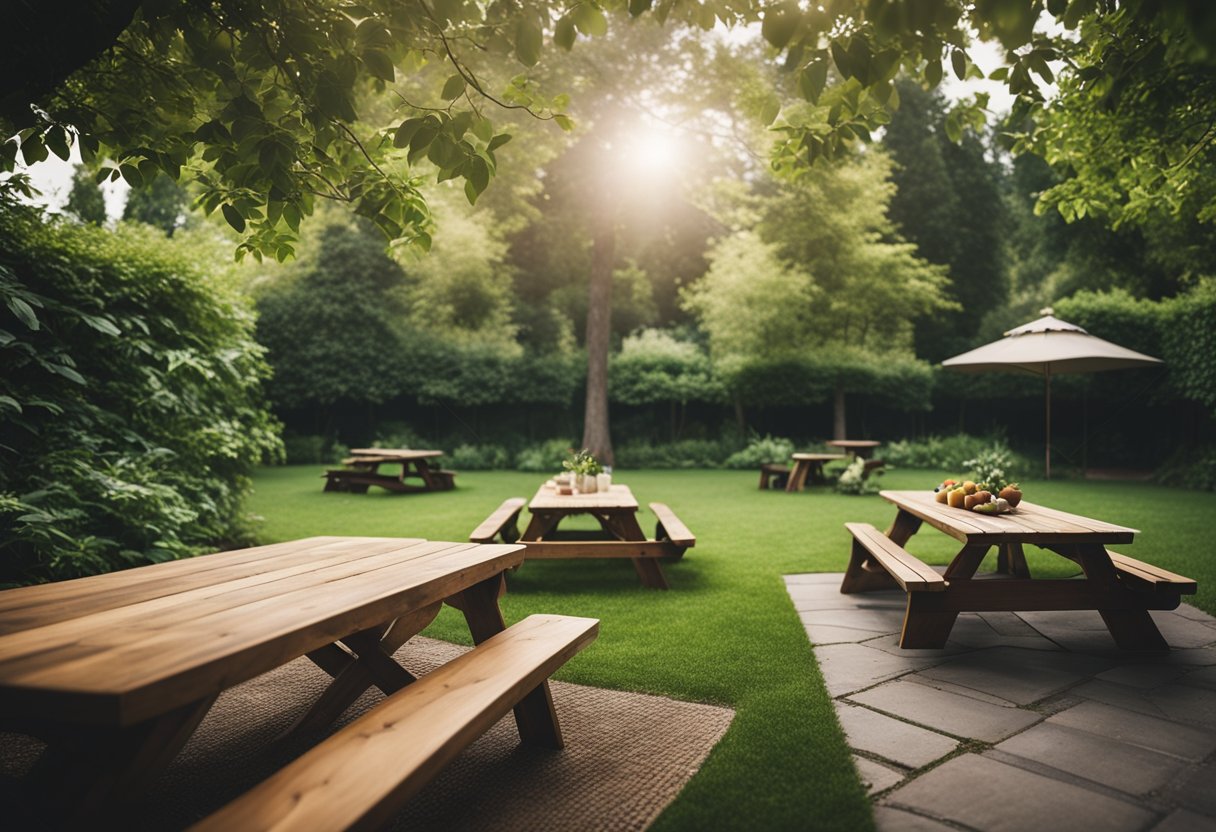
(1045, 347)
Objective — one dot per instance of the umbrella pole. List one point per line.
(1047, 376)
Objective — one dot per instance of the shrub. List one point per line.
(132, 387)
(546, 456)
(686, 453)
(1190, 467)
(992, 468)
(949, 453)
(313, 450)
(479, 457)
(853, 480)
(761, 450)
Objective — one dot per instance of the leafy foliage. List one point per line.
(761, 450)
(947, 453)
(853, 479)
(86, 202)
(130, 407)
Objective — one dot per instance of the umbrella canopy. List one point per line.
(1045, 347)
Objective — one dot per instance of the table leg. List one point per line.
(1132, 629)
(626, 527)
(372, 665)
(534, 715)
(540, 524)
(1011, 560)
(904, 526)
(798, 475)
(926, 625)
(89, 780)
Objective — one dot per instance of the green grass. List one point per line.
(727, 633)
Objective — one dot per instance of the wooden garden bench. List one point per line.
(910, 572)
(362, 775)
(1137, 573)
(774, 475)
(504, 523)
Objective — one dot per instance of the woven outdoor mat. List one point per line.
(627, 756)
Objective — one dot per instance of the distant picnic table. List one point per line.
(620, 535)
(859, 447)
(363, 471)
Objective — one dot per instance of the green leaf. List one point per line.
(933, 72)
(958, 58)
(590, 20)
(637, 7)
(779, 24)
(10, 403)
(564, 122)
(33, 150)
(406, 131)
(483, 128)
(470, 193)
(234, 217)
(23, 312)
(498, 141)
(379, 64)
(57, 142)
(812, 80)
(103, 325)
(65, 371)
(564, 34)
(453, 87)
(529, 40)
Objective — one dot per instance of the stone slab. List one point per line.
(1175, 702)
(822, 634)
(877, 620)
(1181, 632)
(1194, 613)
(1195, 790)
(852, 667)
(890, 819)
(1139, 675)
(950, 713)
(1019, 676)
(875, 777)
(988, 795)
(1183, 820)
(902, 743)
(1182, 741)
(1109, 762)
(1204, 677)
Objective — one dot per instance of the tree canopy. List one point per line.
(263, 104)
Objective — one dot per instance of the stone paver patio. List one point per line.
(1025, 721)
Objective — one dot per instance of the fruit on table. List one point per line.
(1011, 493)
(987, 508)
(942, 495)
(969, 487)
(956, 497)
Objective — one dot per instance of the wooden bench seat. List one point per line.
(444, 479)
(1143, 575)
(503, 522)
(774, 475)
(670, 527)
(357, 482)
(359, 777)
(871, 466)
(910, 572)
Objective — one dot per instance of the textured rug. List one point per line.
(626, 757)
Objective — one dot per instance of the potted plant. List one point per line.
(584, 467)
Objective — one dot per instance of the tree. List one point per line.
(161, 204)
(822, 287)
(949, 201)
(86, 202)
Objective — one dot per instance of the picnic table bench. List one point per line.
(116, 671)
(363, 471)
(1120, 588)
(621, 536)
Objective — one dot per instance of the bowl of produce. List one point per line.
(972, 496)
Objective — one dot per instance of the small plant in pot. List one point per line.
(584, 467)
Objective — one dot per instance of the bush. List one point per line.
(950, 453)
(761, 450)
(547, 456)
(479, 457)
(853, 480)
(686, 453)
(1193, 467)
(313, 450)
(132, 387)
(992, 468)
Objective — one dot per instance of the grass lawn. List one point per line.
(727, 633)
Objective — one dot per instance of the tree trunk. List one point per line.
(740, 418)
(596, 436)
(839, 430)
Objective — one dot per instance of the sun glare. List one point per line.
(651, 151)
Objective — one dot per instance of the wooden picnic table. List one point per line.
(808, 466)
(620, 535)
(860, 447)
(116, 671)
(1120, 588)
(364, 470)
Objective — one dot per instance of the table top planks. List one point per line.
(1029, 523)
(617, 498)
(818, 457)
(392, 454)
(122, 647)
